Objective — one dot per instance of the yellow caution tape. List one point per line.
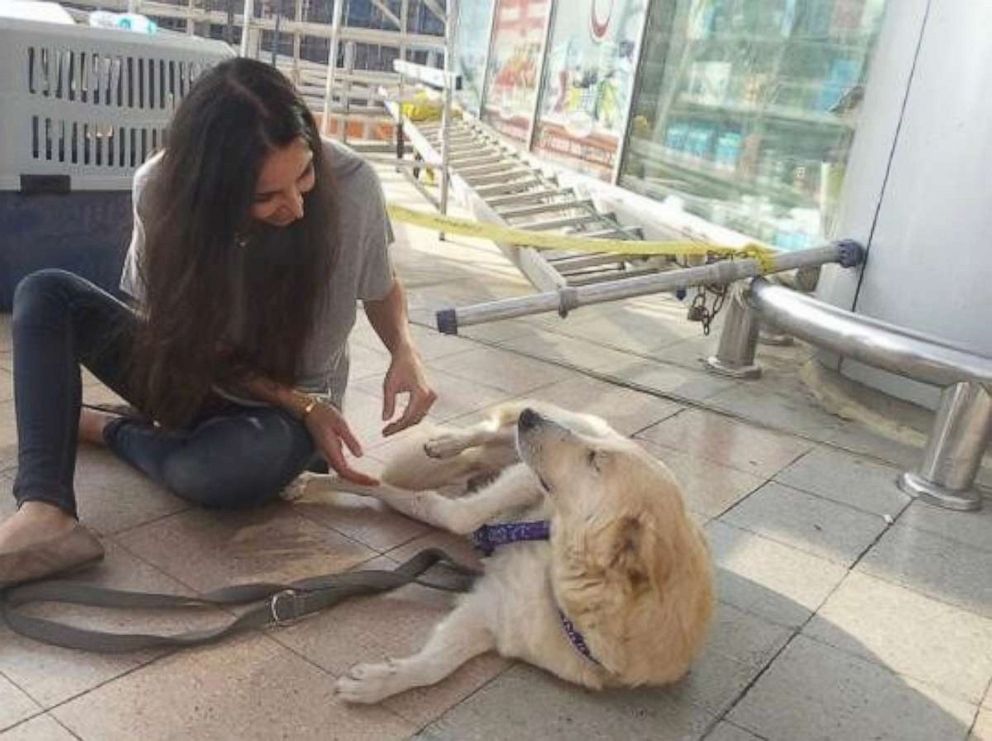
(548, 241)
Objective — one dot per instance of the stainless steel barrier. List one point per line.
(963, 423)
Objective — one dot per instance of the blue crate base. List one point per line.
(85, 232)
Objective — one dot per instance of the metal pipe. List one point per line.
(332, 63)
(248, 15)
(873, 342)
(564, 300)
(447, 147)
(954, 450)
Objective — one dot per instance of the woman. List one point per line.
(253, 241)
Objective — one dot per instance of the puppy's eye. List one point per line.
(592, 460)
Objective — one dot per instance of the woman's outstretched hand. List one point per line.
(405, 376)
(329, 429)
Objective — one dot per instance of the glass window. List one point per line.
(745, 110)
(587, 82)
(514, 61)
(471, 45)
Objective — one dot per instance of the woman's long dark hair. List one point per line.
(205, 262)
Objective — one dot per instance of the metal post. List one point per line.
(536, 110)
(625, 128)
(349, 66)
(332, 61)
(229, 27)
(738, 340)
(297, 40)
(246, 19)
(450, 26)
(954, 450)
(275, 35)
(493, 9)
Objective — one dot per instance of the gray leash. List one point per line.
(272, 604)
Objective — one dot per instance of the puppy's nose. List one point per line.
(529, 419)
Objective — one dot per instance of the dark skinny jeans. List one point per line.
(233, 456)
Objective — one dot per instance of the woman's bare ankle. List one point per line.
(92, 424)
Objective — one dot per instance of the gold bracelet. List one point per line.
(310, 406)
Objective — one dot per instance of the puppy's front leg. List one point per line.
(461, 636)
(516, 487)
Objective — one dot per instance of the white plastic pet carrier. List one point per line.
(81, 107)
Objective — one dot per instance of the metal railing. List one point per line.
(963, 423)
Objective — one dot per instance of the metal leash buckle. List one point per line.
(277, 613)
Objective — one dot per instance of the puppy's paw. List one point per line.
(368, 683)
(447, 445)
(296, 489)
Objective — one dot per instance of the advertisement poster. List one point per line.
(471, 45)
(592, 58)
(514, 60)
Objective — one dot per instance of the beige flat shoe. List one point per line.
(70, 551)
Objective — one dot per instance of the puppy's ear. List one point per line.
(634, 559)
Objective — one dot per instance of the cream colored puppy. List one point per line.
(618, 594)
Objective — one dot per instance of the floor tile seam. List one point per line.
(694, 403)
(156, 519)
(160, 655)
(511, 395)
(846, 505)
(272, 634)
(490, 387)
(969, 734)
(726, 464)
(159, 569)
(877, 661)
(795, 631)
(610, 346)
(510, 664)
(26, 719)
(605, 345)
(709, 731)
(789, 485)
(377, 551)
(941, 536)
(763, 482)
(771, 538)
(919, 592)
(678, 412)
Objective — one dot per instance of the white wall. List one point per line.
(919, 184)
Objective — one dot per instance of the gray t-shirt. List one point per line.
(363, 270)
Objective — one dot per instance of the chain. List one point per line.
(699, 311)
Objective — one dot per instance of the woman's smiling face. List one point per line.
(287, 174)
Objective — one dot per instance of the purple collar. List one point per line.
(489, 537)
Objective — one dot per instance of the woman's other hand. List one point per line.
(405, 376)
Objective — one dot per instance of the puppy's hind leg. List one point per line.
(461, 636)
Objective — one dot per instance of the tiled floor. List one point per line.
(846, 611)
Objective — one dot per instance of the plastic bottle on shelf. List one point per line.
(123, 21)
(728, 151)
